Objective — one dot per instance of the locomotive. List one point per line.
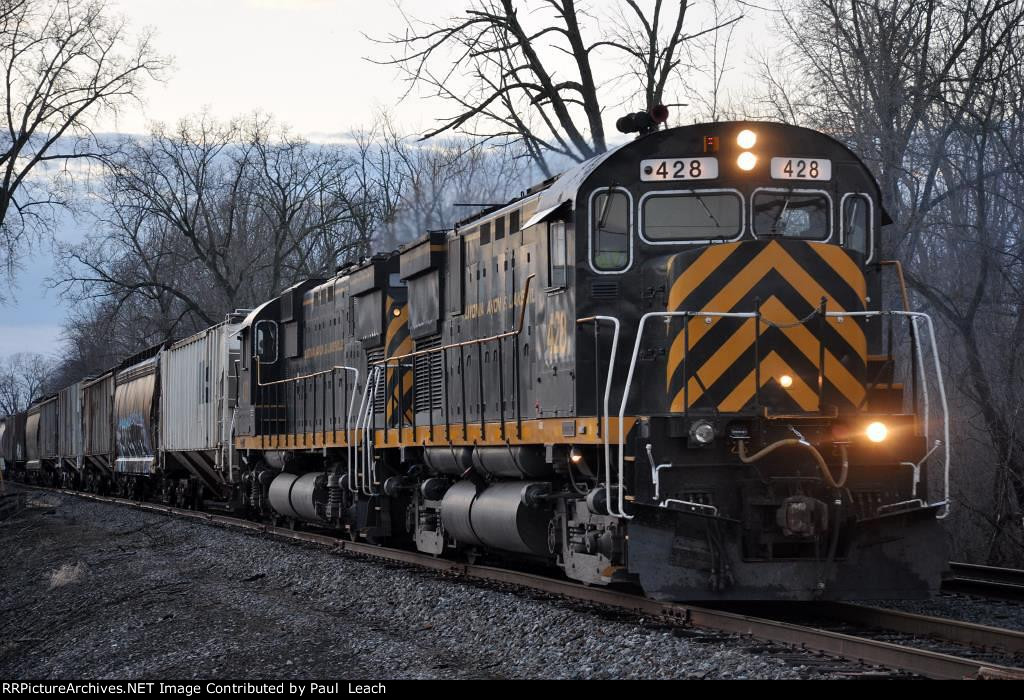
(670, 366)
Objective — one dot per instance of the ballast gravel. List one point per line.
(98, 591)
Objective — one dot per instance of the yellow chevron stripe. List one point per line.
(776, 312)
(772, 367)
(717, 364)
(395, 323)
(802, 337)
(707, 262)
(773, 257)
(836, 258)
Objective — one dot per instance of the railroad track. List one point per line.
(990, 581)
(914, 659)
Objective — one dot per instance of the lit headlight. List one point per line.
(786, 381)
(876, 431)
(746, 161)
(746, 139)
(702, 432)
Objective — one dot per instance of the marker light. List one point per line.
(786, 381)
(746, 161)
(876, 432)
(746, 139)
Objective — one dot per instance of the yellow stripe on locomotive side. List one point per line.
(534, 432)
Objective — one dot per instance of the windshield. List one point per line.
(692, 216)
(791, 214)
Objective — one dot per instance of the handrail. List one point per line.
(359, 469)
(607, 396)
(386, 363)
(303, 377)
(475, 341)
(903, 282)
(629, 384)
(351, 467)
(913, 315)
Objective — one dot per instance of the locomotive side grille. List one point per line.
(604, 290)
(428, 376)
(373, 356)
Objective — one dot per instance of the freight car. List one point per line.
(12, 445)
(672, 365)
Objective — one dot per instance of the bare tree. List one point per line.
(24, 378)
(440, 178)
(929, 91)
(528, 77)
(210, 217)
(64, 63)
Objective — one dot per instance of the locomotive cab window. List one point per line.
(792, 214)
(266, 342)
(610, 218)
(691, 215)
(857, 223)
(557, 267)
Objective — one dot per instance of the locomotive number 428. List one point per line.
(801, 168)
(658, 169)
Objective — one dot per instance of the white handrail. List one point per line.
(355, 468)
(629, 383)
(607, 397)
(372, 380)
(348, 416)
(913, 315)
(351, 468)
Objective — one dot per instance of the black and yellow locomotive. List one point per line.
(670, 365)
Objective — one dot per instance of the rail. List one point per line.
(856, 648)
(988, 581)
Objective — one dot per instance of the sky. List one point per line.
(300, 60)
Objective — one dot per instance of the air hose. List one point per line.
(800, 442)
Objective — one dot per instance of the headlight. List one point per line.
(575, 455)
(702, 432)
(786, 381)
(746, 139)
(746, 161)
(876, 431)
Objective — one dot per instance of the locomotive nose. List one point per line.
(755, 334)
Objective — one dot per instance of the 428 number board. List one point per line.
(664, 169)
(788, 168)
